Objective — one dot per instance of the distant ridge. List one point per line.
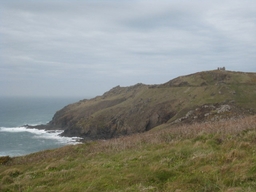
(200, 97)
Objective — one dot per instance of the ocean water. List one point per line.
(15, 112)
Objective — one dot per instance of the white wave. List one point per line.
(43, 134)
(55, 135)
(20, 129)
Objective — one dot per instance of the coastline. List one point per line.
(28, 139)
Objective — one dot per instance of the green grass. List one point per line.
(218, 156)
(139, 108)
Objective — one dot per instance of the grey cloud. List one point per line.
(91, 46)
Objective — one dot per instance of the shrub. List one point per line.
(4, 159)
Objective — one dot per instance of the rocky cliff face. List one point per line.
(204, 96)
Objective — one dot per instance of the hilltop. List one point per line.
(200, 136)
(200, 97)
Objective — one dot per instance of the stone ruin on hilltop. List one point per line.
(221, 68)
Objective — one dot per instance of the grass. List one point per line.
(218, 156)
(134, 109)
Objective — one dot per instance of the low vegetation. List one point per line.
(216, 156)
(193, 133)
(135, 109)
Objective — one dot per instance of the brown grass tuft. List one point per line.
(217, 156)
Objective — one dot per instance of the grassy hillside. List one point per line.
(216, 156)
(139, 108)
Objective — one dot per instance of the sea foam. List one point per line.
(43, 134)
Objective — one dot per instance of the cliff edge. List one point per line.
(200, 97)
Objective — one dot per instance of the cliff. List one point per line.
(204, 96)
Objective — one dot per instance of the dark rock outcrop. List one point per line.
(139, 108)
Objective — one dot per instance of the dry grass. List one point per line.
(133, 109)
(224, 130)
(217, 156)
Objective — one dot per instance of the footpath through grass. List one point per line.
(217, 156)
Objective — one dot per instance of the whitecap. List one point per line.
(55, 135)
(43, 134)
(20, 129)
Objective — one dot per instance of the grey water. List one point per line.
(15, 112)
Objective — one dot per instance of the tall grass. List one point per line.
(223, 129)
(217, 156)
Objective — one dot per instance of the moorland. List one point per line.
(193, 133)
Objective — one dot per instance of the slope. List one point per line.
(216, 156)
(199, 97)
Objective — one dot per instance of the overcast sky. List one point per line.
(84, 48)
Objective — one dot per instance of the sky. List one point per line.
(84, 48)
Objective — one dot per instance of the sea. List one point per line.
(15, 112)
